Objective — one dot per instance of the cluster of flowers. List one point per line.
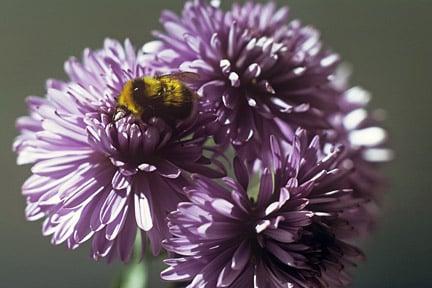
(269, 93)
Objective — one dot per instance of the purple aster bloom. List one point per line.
(98, 177)
(291, 236)
(258, 71)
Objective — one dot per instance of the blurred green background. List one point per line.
(387, 41)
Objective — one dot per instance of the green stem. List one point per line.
(136, 274)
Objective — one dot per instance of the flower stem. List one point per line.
(136, 274)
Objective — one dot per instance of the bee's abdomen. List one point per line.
(178, 104)
(176, 93)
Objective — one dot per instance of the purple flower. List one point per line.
(258, 72)
(291, 236)
(98, 177)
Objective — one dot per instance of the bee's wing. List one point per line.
(184, 76)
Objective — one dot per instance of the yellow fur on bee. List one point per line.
(169, 90)
(153, 86)
(174, 91)
(126, 99)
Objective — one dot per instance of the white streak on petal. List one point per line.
(251, 102)
(271, 208)
(284, 107)
(235, 79)
(368, 137)
(152, 47)
(225, 65)
(260, 227)
(378, 155)
(329, 60)
(299, 70)
(215, 3)
(142, 212)
(147, 167)
(358, 95)
(354, 118)
(255, 70)
(223, 206)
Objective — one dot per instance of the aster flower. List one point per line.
(258, 72)
(99, 177)
(291, 236)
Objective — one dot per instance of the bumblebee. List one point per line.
(165, 96)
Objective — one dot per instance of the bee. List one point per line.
(166, 97)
